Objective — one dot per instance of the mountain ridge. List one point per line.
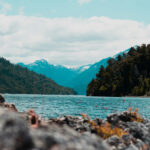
(76, 78)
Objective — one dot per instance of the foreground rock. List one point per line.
(16, 134)
(121, 131)
(3, 104)
(26, 131)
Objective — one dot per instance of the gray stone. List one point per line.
(127, 139)
(132, 147)
(66, 139)
(139, 131)
(139, 143)
(14, 133)
(114, 140)
(2, 99)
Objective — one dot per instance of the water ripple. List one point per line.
(51, 106)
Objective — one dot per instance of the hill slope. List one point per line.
(16, 79)
(129, 75)
(80, 82)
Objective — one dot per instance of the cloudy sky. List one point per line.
(71, 32)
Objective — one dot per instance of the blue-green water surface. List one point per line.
(50, 106)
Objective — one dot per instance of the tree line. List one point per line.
(127, 75)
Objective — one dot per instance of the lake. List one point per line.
(50, 106)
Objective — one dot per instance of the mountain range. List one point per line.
(76, 78)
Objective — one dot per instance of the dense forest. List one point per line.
(127, 75)
(16, 79)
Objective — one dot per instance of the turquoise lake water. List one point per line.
(50, 106)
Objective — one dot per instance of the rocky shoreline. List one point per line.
(26, 131)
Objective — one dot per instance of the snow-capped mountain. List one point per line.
(58, 73)
(76, 78)
(81, 69)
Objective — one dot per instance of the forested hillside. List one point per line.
(128, 75)
(16, 79)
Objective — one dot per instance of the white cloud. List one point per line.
(83, 1)
(21, 10)
(68, 41)
(4, 7)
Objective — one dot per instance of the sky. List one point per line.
(71, 32)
